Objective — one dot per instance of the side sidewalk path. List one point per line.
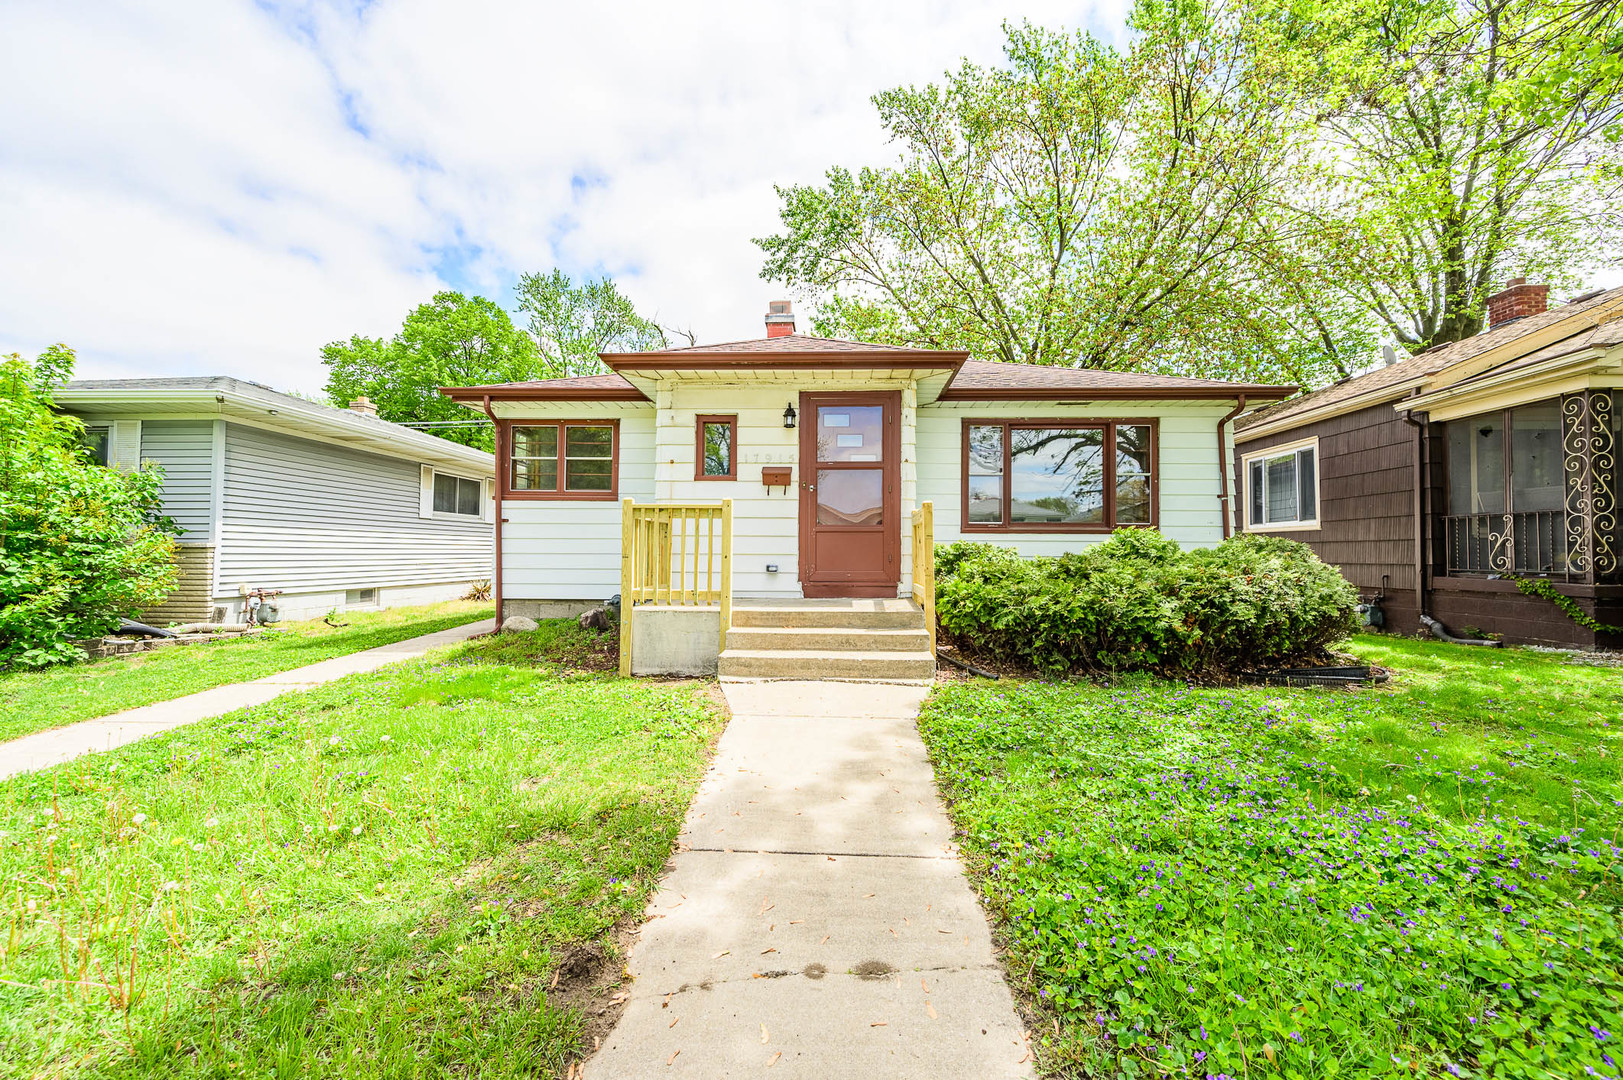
(815, 920)
(47, 748)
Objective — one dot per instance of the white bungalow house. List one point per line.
(330, 508)
(818, 459)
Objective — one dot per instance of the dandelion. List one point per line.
(138, 819)
(332, 828)
(198, 847)
(170, 886)
(212, 823)
(335, 740)
(356, 830)
(385, 739)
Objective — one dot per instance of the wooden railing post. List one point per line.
(628, 582)
(927, 541)
(726, 569)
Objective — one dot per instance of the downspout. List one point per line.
(1225, 464)
(496, 569)
(1419, 510)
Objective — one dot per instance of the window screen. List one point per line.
(456, 495)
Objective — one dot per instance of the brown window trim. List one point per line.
(1109, 425)
(504, 462)
(732, 446)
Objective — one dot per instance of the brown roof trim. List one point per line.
(1122, 393)
(689, 360)
(500, 392)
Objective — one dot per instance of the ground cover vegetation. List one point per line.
(1244, 188)
(80, 544)
(47, 698)
(425, 871)
(1138, 602)
(1418, 879)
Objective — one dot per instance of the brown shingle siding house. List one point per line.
(1434, 480)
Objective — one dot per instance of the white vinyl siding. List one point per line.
(185, 449)
(564, 549)
(304, 516)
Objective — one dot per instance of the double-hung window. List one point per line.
(1282, 487)
(563, 460)
(1068, 475)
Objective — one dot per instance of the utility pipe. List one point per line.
(1225, 464)
(501, 465)
(1419, 511)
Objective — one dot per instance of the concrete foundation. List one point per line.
(670, 640)
(546, 609)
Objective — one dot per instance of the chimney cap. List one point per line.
(363, 405)
(780, 319)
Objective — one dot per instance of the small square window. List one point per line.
(360, 597)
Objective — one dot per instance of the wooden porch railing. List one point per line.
(678, 554)
(924, 564)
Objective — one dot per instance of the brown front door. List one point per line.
(850, 493)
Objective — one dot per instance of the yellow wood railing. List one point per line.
(924, 564)
(679, 554)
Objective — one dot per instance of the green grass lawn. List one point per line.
(1416, 879)
(424, 871)
(37, 700)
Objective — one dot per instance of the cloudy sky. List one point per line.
(220, 187)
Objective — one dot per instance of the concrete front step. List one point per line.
(829, 614)
(828, 639)
(821, 664)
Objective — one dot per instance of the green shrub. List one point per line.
(80, 544)
(1137, 602)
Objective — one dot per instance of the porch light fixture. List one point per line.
(789, 415)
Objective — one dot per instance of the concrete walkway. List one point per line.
(815, 921)
(61, 744)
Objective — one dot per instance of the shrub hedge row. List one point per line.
(1138, 602)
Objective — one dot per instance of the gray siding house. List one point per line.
(333, 507)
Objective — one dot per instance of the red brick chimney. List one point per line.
(780, 320)
(1517, 300)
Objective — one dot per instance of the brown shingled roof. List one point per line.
(610, 387)
(989, 380)
(782, 343)
(972, 380)
(1393, 381)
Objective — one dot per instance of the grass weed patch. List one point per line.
(424, 871)
(51, 697)
(1412, 880)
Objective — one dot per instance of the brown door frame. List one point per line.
(891, 512)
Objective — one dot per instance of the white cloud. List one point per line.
(222, 187)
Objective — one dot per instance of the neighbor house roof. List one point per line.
(1567, 328)
(248, 402)
(969, 380)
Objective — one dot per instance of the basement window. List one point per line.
(360, 597)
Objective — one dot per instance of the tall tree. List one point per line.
(1074, 206)
(1255, 188)
(572, 323)
(453, 340)
(1464, 142)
